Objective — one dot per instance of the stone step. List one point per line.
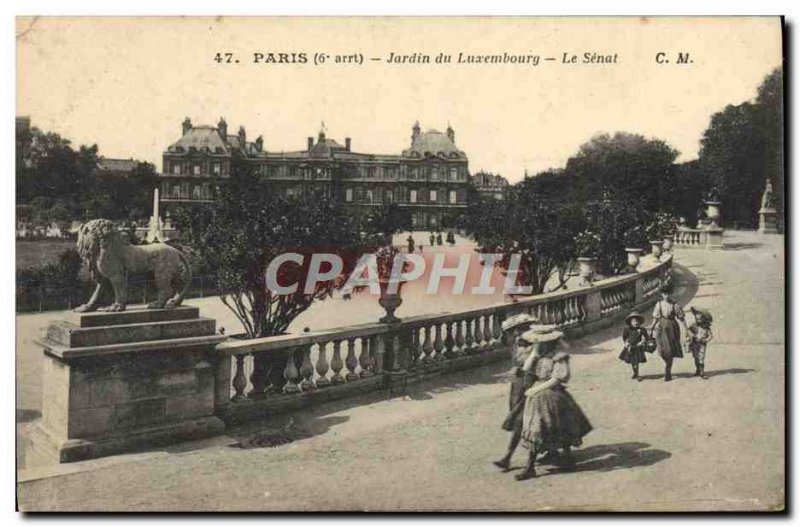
(73, 336)
(135, 315)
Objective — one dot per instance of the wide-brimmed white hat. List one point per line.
(517, 320)
(542, 333)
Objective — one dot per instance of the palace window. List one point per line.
(453, 197)
(206, 191)
(389, 196)
(196, 192)
(453, 174)
(369, 195)
(216, 169)
(176, 168)
(433, 196)
(348, 194)
(413, 196)
(176, 191)
(196, 170)
(292, 171)
(434, 174)
(414, 173)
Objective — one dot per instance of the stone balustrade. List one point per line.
(281, 373)
(708, 238)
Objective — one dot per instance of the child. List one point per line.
(699, 334)
(634, 336)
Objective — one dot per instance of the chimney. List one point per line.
(414, 132)
(310, 143)
(347, 143)
(260, 143)
(242, 136)
(187, 125)
(451, 134)
(222, 128)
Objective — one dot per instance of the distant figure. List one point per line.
(634, 336)
(451, 239)
(699, 335)
(666, 315)
(410, 241)
(439, 240)
(432, 238)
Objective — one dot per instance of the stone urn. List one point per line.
(713, 212)
(657, 247)
(390, 302)
(634, 257)
(587, 269)
(669, 241)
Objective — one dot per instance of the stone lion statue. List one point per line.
(111, 258)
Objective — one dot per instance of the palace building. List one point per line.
(430, 177)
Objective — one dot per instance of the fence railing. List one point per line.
(278, 373)
(686, 237)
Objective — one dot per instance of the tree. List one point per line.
(249, 224)
(540, 232)
(742, 148)
(629, 166)
(387, 220)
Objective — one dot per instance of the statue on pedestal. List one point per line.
(768, 214)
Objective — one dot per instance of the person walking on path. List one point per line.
(634, 337)
(410, 241)
(432, 239)
(698, 336)
(551, 419)
(520, 348)
(666, 315)
(439, 238)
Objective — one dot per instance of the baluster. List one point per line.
(569, 312)
(449, 341)
(427, 345)
(336, 363)
(497, 330)
(290, 373)
(259, 376)
(306, 370)
(239, 380)
(469, 338)
(365, 359)
(478, 335)
(460, 337)
(351, 361)
(417, 353)
(438, 343)
(322, 366)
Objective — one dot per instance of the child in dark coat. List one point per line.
(698, 336)
(634, 337)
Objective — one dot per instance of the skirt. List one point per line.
(633, 355)
(553, 420)
(668, 339)
(516, 402)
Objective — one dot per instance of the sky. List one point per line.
(126, 84)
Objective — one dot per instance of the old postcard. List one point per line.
(400, 264)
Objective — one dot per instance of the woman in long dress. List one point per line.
(552, 419)
(666, 315)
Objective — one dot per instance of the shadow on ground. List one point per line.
(25, 415)
(604, 458)
(712, 373)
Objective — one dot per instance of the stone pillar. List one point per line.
(593, 305)
(115, 382)
(395, 361)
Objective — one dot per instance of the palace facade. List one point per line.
(430, 177)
